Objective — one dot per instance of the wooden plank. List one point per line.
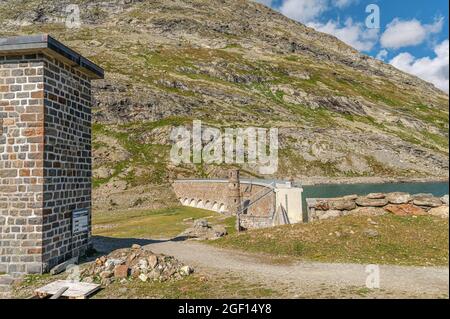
(76, 290)
(59, 293)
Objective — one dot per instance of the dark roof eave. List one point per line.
(47, 44)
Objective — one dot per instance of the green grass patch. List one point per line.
(192, 287)
(421, 241)
(163, 223)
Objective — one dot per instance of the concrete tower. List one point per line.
(234, 192)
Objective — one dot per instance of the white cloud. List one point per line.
(303, 10)
(382, 55)
(401, 33)
(309, 11)
(434, 70)
(343, 3)
(354, 34)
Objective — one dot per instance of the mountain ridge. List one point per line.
(340, 113)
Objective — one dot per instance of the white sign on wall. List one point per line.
(80, 221)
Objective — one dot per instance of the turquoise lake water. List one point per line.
(337, 190)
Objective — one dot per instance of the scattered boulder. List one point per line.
(143, 277)
(428, 201)
(106, 274)
(444, 200)
(422, 195)
(371, 233)
(342, 204)
(152, 261)
(371, 202)
(186, 270)
(200, 223)
(376, 196)
(110, 264)
(202, 230)
(134, 263)
(106, 281)
(398, 198)
(439, 211)
(322, 205)
(121, 271)
(219, 231)
(405, 210)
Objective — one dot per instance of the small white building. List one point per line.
(290, 198)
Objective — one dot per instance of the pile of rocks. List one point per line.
(135, 263)
(401, 204)
(202, 230)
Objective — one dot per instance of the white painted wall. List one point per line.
(293, 204)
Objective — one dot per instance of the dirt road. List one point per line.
(299, 277)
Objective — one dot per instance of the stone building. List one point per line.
(260, 200)
(45, 153)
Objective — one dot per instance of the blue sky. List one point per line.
(413, 34)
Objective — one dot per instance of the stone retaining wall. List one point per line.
(256, 222)
(213, 195)
(401, 204)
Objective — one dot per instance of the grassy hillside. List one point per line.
(389, 239)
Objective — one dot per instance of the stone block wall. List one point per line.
(67, 160)
(256, 222)
(21, 163)
(45, 167)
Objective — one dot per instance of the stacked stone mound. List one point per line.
(401, 204)
(135, 264)
(202, 230)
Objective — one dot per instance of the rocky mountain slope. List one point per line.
(341, 114)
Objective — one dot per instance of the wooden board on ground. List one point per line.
(76, 290)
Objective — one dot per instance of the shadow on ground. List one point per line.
(105, 245)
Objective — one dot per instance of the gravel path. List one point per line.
(397, 280)
(299, 278)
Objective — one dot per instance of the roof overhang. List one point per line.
(46, 44)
